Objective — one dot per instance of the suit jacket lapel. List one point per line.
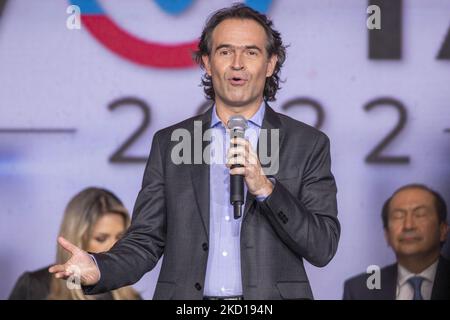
(200, 171)
(389, 283)
(441, 286)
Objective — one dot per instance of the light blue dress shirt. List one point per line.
(223, 272)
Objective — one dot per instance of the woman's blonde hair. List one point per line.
(81, 214)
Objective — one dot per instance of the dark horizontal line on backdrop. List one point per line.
(37, 130)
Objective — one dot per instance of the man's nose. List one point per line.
(237, 62)
(409, 222)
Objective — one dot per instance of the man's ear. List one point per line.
(443, 231)
(207, 64)
(271, 65)
(386, 237)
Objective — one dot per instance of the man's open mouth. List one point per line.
(237, 81)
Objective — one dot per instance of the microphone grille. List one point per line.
(237, 122)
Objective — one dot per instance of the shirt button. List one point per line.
(224, 253)
(227, 218)
(198, 286)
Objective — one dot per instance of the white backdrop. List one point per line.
(52, 77)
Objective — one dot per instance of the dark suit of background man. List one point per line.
(415, 226)
(183, 210)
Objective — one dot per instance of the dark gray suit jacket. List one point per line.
(356, 289)
(171, 217)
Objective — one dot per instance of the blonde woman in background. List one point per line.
(93, 220)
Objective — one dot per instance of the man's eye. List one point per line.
(252, 53)
(397, 215)
(224, 52)
(421, 212)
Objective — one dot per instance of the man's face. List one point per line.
(238, 63)
(413, 224)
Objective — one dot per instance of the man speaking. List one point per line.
(216, 245)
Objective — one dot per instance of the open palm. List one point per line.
(80, 265)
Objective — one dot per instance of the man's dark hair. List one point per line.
(439, 203)
(274, 46)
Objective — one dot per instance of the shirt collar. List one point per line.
(429, 273)
(256, 119)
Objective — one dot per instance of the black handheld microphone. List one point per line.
(237, 125)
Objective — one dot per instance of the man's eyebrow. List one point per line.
(229, 46)
(420, 207)
(253, 47)
(414, 209)
(223, 46)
